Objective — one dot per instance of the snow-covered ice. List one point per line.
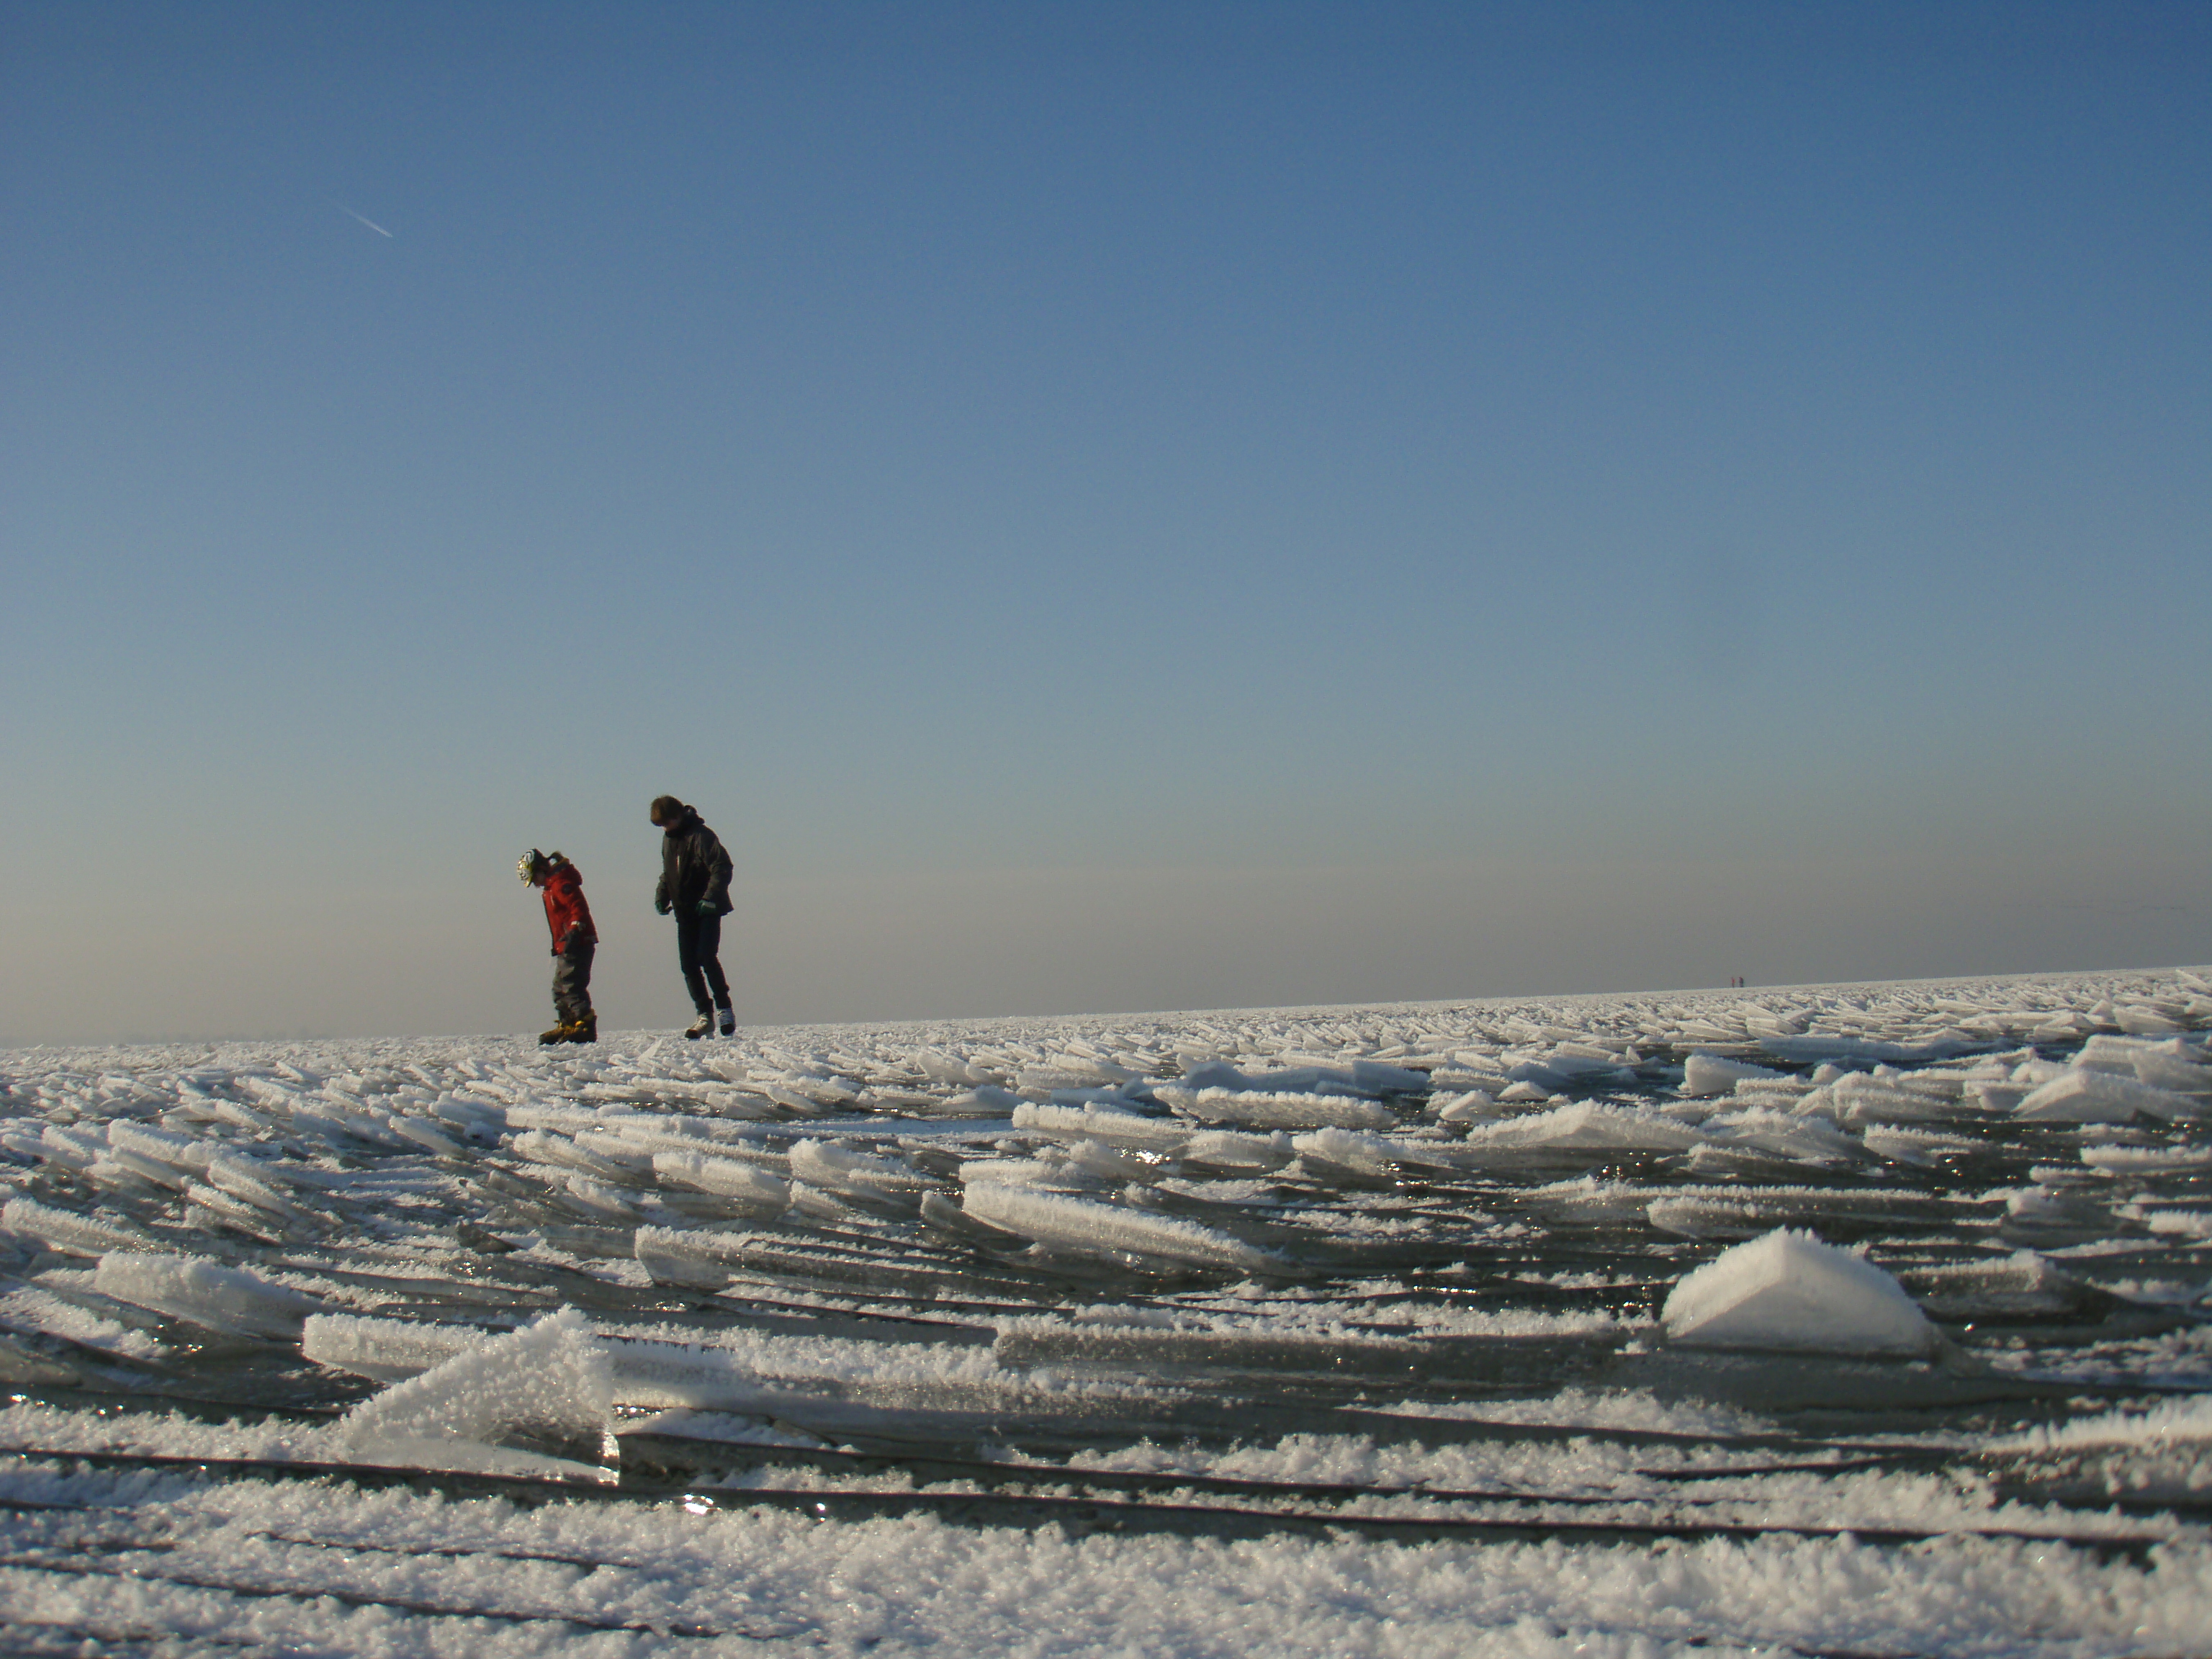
(1848, 1318)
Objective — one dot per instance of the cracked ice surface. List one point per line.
(1316, 1330)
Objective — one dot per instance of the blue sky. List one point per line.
(1103, 507)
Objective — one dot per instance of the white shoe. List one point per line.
(728, 1023)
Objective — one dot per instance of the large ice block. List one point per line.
(1790, 1292)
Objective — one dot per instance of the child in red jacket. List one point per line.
(573, 940)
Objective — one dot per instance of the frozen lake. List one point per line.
(1345, 1330)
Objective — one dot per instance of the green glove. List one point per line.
(706, 907)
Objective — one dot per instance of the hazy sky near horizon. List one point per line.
(1103, 507)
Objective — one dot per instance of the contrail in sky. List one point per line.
(371, 223)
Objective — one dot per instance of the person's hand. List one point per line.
(663, 906)
(706, 907)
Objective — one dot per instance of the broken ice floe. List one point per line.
(1789, 1292)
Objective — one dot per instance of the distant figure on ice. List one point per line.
(573, 940)
(695, 884)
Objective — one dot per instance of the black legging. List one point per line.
(698, 945)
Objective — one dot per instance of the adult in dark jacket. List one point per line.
(694, 887)
(575, 939)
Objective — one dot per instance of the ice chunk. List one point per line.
(1114, 1128)
(544, 1147)
(228, 1299)
(159, 1147)
(1378, 1155)
(1788, 1291)
(725, 1178)
(1348, 1149)
(1376, 1078)
(826, 1164)
(2183, 1422)
(246, 1181)
(984, 1100)
(1585, 1124)
(1267, 1110)
(671, 1375)
(1097, 1159)
(1711, 1074)
(597, 1199)
(1785, 1136)
(1076, 1223)
(2184, 1223)
(536, 1401)
(688, 1257)
(1472, 1106)
(1225, 1149)
(1859, 1098)
(2147, 1160)
(2092, 1096)
(386, 1350)
(2167, 1065)
(426, 1135)
(72, 1235)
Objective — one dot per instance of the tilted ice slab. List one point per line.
(71, 1235)
(745, 1186)
(1076, 1223)
(1094, 1123)
(230, 1300)
(2168, 1064)
(1361, 1077)
(1379, 1155)
(1269, 1109)
(1586, 1124)
(383, 1349)
(1791, 1293)
(536, 1401)
(1711, 1074)
(2095, 1096)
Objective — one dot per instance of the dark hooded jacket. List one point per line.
(693, 867)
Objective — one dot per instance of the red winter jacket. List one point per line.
(566, 913)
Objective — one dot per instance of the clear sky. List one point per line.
(1103, 507)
